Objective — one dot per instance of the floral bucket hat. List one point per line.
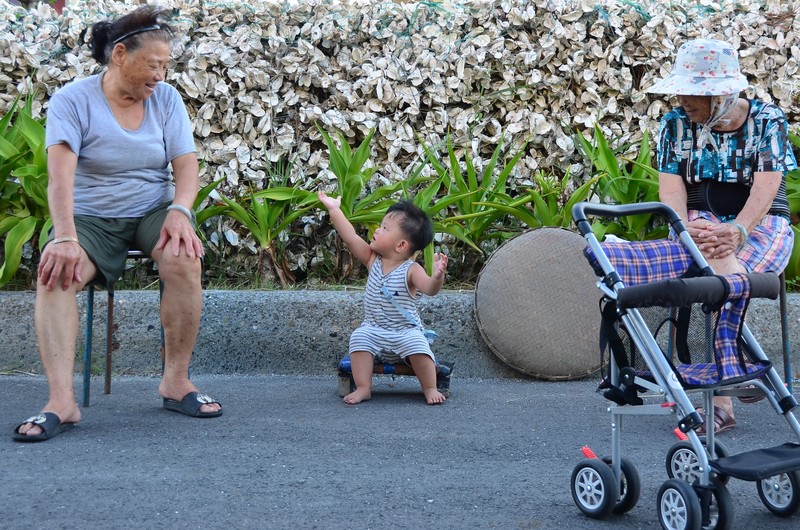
(703, 67)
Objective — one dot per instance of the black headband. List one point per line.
(136, 32)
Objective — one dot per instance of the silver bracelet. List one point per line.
(65, 239)
(742, 231)
(185, 211)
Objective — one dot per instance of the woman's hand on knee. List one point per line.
(176, 233)
(60, 263)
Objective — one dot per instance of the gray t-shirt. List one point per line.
(120, 172)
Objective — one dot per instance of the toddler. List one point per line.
(392, 329)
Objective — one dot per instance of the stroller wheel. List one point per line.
(678, 506)
(682, 461)
(594, 488)
(720, 508)
(781, 493)
(630, 486)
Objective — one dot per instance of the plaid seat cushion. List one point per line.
(643, 262)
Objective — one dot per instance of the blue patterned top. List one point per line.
(760, 145)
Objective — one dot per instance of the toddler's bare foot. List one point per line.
(358, 396)
(433, 396)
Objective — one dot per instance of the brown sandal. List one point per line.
(722, 421)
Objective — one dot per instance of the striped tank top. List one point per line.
(378, 309)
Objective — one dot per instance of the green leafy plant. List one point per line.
(792, 271)
(206, 206)
(266, 214)
(476, 217)
(424, 193)
(549, 203)
(352, 176)
(623, 180)
(351, 172)
(203, 210)
(367, 209)
(474, 196)
(24, 215)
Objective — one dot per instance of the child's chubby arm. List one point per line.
(358, 247)
(430, 285)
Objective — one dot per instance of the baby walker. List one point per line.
(659, 358)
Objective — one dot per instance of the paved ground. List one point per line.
(288, 454)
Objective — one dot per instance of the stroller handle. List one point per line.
(682, 292)
(582, 209)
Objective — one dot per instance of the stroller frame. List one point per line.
(696, 498)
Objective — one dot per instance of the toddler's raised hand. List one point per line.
(329, 202)
(439, 265)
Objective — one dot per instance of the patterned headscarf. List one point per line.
(721, 106)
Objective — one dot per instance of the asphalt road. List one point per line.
(288, 453)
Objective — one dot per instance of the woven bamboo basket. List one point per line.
(536, 305)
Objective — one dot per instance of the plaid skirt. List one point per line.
(768, 246)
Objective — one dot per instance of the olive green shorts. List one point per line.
(107, 241)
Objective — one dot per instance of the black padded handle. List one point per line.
(682, 292)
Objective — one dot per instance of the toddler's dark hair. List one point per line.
(132, 30)
(415, 224)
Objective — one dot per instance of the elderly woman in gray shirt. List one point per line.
(123, 173)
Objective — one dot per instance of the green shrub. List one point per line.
(24, 216)
(623, 180)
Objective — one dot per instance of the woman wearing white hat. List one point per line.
(722, 161)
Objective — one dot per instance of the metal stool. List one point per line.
(87, 352)
(787, 349)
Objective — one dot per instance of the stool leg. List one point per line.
(787, 350)
(109, 337)
(87, 348)
(163, 343)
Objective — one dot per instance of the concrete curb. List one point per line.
(295, 332)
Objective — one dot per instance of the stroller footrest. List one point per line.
(760, 463)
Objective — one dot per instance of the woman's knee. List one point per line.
(180, 268)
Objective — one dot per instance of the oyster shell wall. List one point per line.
(256, 76)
